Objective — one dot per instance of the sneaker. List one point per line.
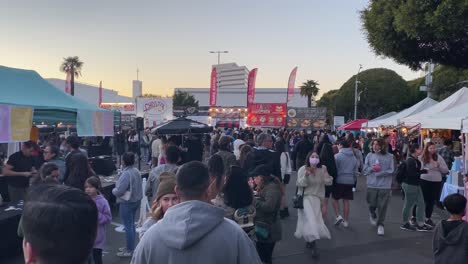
(122, 249)
(125, 254)
(429, 223)
(424, 228)
(380, 230)
(339, 220)
(373, 220)
(413, 221)
(354, 189)
(345, 224)
(407, 227)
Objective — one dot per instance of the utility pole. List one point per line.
(219, 54)
(355, 92)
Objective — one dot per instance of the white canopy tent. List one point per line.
(395, 119)
(453, 101)
(450, 119)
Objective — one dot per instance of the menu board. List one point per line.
(303, 117)
(266, 115)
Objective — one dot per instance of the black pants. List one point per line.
(431, 193)
(265, 251)
(97, 255)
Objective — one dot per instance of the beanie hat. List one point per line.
(167, 183)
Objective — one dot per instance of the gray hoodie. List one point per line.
(346, 166)
(451, 247)
(195, 232)
(384, 178)
(130, 180)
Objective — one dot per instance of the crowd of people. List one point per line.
(226, 205)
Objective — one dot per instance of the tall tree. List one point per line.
(73, 66)
(414, 31)
(309, 89)
(184, 99)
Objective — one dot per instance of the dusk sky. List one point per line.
(169, 40)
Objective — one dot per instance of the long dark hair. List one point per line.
(245, 149)
(383, 146)
(95, 182)
(327, 158)
(237, 192)
(79, 171)
(216, 169)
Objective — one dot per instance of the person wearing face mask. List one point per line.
(311, 181)
(378, 168)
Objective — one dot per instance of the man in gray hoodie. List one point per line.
(195, 231)
(379, 168)
(347, 167)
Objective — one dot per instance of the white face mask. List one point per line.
(314, 161)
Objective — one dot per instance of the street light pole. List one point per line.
(219, 54)
(355, 91)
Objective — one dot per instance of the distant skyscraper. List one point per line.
(137, 88)
(230, 75)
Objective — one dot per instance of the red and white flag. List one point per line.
(100, 93)
(291, 83)
(213, 87)
(251, 86)
(67, 83)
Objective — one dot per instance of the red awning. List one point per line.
(228, 124)
(353, 125)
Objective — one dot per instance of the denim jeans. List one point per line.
(127, 211)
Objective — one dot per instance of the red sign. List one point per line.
(251, 86)
(267, 115)
(291, 83)
(213, 87)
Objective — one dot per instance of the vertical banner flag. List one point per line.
(213, 87)
(100, 93)
(291, 83)
(67, 83)
(251, 86)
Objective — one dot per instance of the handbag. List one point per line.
(127, 194)
(298, 199)
(262, 230)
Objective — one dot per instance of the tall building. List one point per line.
(230, 75)
(137, 89)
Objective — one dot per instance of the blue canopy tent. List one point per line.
(27, 88)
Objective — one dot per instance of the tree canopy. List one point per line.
(184, 99)
(414, 31)
(382, 90)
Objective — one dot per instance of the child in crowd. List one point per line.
(93, 189)
(450, 244)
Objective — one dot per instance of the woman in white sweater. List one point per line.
(311, 181)
(431, 182)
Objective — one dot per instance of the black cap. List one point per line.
(263, 170)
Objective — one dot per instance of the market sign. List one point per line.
(305, 117)
(266, 115)
(154, 110)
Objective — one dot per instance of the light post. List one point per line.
(219, 53)
(355, 91)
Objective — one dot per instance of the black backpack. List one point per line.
(401, 172)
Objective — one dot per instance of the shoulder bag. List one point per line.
(298, 199)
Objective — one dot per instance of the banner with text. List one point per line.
(213, 87)
(304, 117)
(154, 110)
(266, 115)
(91, 123)
(291, 83)
(124, 108)
(15, 123)
(251, 86)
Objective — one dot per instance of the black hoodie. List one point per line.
(450, 246)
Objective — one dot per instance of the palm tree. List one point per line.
(73, 66)
(309, 89)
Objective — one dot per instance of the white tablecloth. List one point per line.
(451, 189)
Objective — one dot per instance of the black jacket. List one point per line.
(264, 156)
(413, 171)
(303, 148)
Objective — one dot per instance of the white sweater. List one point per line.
(314, 184)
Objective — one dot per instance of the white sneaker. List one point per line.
(338, 220)
(354, 189)
(345, 224)
(380, 230)
(373, 221)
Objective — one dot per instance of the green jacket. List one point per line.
(268, 205)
